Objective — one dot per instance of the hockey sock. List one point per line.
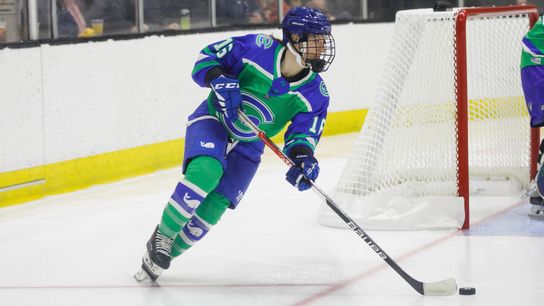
(205, 172)
(202, 175)
(206, 216)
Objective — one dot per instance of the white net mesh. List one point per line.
(403, 170)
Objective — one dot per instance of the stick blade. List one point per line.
(441, 288)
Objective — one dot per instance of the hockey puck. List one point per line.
(467, 291)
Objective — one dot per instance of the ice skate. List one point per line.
(536, 199)
(156, 257)
(537, 206)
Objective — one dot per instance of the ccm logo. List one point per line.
(226, 85)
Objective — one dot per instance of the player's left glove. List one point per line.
(229, 98)
(304, 170)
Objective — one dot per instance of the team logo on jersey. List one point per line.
(263, 41)
(256, 110)
(323, 89)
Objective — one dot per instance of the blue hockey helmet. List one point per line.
(314, 42)
(304, 20)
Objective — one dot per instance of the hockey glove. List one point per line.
(305, 169)
(229, 98)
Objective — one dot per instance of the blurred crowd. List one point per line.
(74, 17)
(87, 18)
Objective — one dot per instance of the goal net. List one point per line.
(449, 106)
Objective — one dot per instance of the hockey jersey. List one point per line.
(269, 99)
(533, 46)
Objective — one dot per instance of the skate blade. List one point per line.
(539, 214)
(142, 276)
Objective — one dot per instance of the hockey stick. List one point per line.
(444, 287)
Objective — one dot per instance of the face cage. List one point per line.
(317, 50)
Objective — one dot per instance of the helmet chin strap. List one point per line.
(296, 54)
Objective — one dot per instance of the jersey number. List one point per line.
(313, 129)
(223, 48)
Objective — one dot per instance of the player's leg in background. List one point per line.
(536, 200)
(532, 79)
(242, 164)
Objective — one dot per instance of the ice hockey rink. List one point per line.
(82, 249)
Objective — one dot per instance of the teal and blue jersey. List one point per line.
(533, 46)
(269, 99)
(532, 72)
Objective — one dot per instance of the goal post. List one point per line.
(449, 108)
(462, 97)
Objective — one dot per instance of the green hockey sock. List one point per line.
(205, 172)
(206, 216)
(202, 176)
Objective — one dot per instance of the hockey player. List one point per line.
(275, 82)
(532, 79)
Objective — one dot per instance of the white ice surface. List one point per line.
(82, 249)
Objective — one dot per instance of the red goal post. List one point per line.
(462, 92)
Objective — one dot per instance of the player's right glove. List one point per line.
(304, 170)
(229, 98)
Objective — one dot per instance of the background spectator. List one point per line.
(71, 22)
(3, 32)
(118, 15)
(324, 6)
(289, 4)
(235, 11)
